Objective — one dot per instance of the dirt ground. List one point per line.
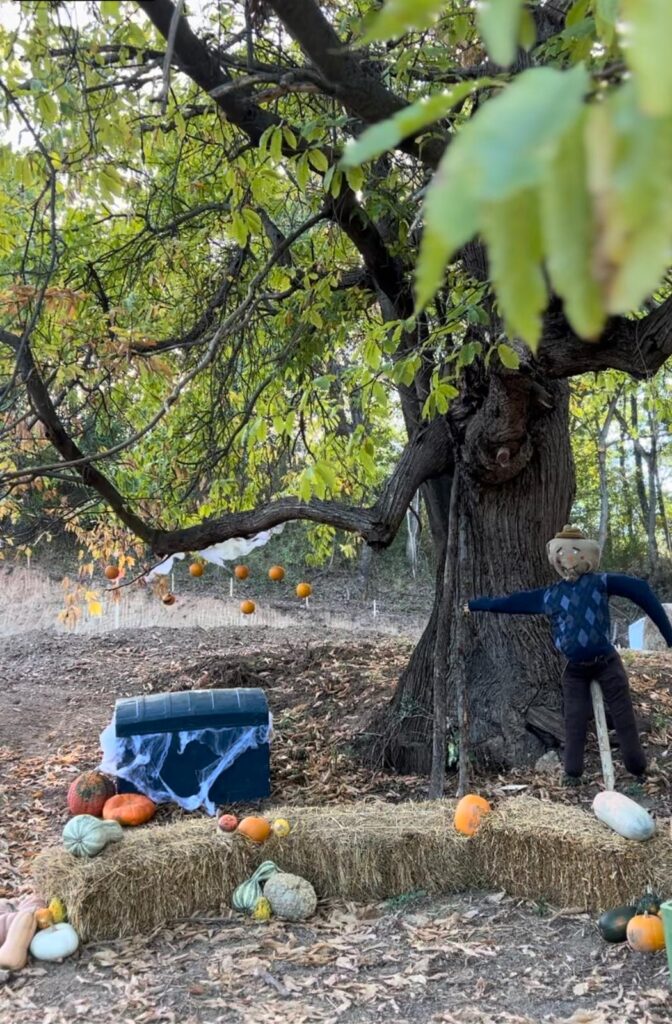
(477, 957)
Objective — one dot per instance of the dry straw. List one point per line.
(364, 851)
(163, 872)
(566, 857)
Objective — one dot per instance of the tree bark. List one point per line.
(511, 668)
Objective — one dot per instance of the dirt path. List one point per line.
(478, 957)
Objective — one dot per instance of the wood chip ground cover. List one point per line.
(472, 958)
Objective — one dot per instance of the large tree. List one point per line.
(209, 318)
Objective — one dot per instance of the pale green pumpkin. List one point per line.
(86, 836)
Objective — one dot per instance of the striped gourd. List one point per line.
(246, 896)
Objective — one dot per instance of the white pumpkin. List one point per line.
(624, 816)
(292, 898)
(86, 836)
(55, 943)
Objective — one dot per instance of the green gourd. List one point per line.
(613, 924)
(292, 898)
(247, 895)
(86, 836)
(649, 903)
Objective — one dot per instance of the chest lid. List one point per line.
(190, 709)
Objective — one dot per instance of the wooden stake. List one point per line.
(602, 736)
(231, 587)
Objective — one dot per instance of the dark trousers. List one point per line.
(610, 673)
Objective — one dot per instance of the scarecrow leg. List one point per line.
(602, 736)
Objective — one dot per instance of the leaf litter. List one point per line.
(476, 958)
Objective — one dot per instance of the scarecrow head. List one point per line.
(572, 554)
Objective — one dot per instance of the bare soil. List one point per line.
(477, 957)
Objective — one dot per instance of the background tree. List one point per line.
(209, 315)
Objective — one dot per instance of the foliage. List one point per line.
(205, 297)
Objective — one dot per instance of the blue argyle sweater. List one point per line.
(579, 610)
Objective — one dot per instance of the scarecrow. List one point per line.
(579, 610)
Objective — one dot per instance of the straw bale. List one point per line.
(564, 856)
(159, 873)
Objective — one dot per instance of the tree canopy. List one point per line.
(266, 260)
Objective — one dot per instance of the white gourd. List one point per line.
(55, 943)
(86, 836)
(292, 898)
(624, 816)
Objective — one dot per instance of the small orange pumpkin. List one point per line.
(304, 590)
(256, 829)
(645, 933)
(129, 809)
(111, 572)
(196, 569)
(277, 573)
(469, 812)
(241, 572)
(247, 607)
(44, 918)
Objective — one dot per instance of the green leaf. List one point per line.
(318, 160)
(275, 145)
(253, 221)
(606, 19)
(302, 171)
(354, 177)
(239, 228)
(504, 149)
(508, 356)
(512, 231)
(387, 134)
(372, 354)
(327, 474)
(48, 108)
(110, 8)
(568, 231)
(647, 35)
(398, 16)
(630, 172)
(499, 23)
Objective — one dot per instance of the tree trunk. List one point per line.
(512, 669)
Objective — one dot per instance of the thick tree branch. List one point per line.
(637, 347)
(353, 79)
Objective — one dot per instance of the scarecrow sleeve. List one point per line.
(524, 602)
(639, 591)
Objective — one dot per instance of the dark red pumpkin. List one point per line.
(89, 793)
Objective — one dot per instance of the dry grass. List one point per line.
(161, 873)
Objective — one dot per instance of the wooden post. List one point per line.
(231, 587)
(602, 736)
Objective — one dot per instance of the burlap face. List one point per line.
(572, 556)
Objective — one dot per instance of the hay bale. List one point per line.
(564, 856)
(374, 851)
(163, 872)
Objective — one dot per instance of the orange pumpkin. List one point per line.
(247, 607)
(469, 812)
(241, 572)
(44, 918)
(89, 792)
(645, 933)
(111, 572)
(277, 573)
(304, 590)
(129, 809)
(196, 569)
(256, 829)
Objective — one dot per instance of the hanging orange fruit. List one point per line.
(111, 572)
(247, 607)
(304, 590)
(241, 572)
(196, 569)
(277, 573)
